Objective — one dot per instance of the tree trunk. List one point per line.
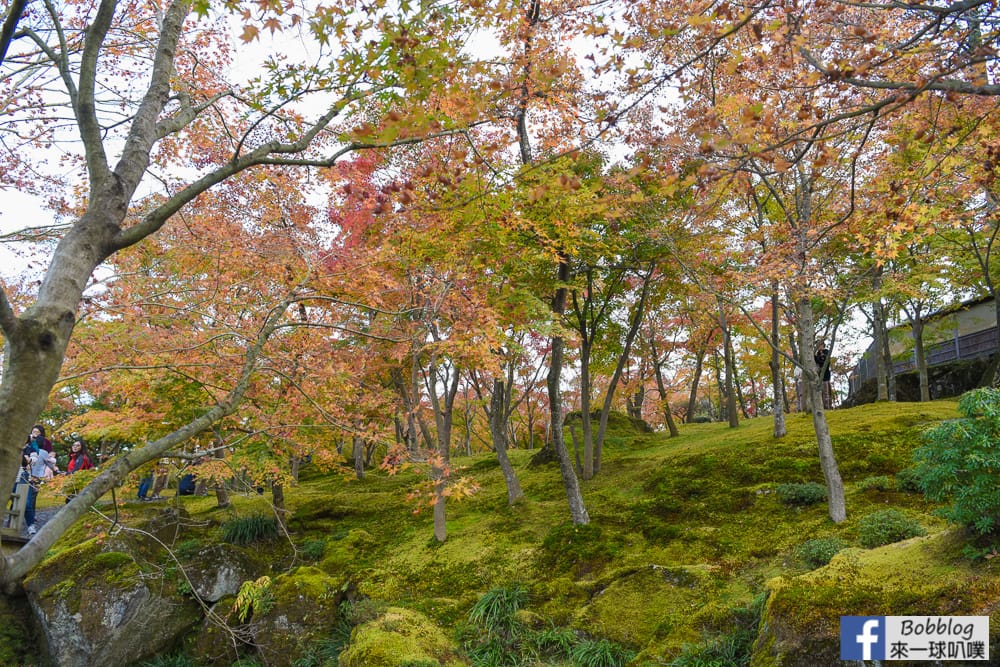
(221, 492)
(577, 509)
(588, 434)
(890, 371)
(278, 500)
(440, 523)
(882, 363)
(693, 396)
(662, 389)
(917, 328)
(498, 432)
(780, 430)
(358, 452)
(837, 506)
(443, 420)
(635, 402)
(633, 330)
(727, 357)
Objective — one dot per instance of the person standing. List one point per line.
(37, 465)
(822, 359)
(78, 457)
(37, 440)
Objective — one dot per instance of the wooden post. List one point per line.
(13, 519)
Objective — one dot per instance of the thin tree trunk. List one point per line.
(780, 429)
(890, 370)
(278, 500)
(633, 330)
(693, 396)
(358, 453)
(577, 509)
(221, 492)
(917, 326)
(727, 357)
(662, 388)
(882, 362)
(498, 431)
(837, 506)
(588, 434)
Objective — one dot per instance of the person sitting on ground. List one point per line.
(186, 486)
(145, 484)
(78, 458)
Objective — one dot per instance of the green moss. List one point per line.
(400, 636)
(918, 577)
(17, 641)
(683, 530)
(651, 603)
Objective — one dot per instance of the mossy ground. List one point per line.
(684, 530)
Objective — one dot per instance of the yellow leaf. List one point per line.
(250, 33)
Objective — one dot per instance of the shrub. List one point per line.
(600, 653)
(801, 495)
(908, 480)
(313, 549)
(249, 529)
(875, 483)
(818, 552)
(959, 460)
(886, 527)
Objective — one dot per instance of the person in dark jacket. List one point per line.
(37, 440)
(822, 359)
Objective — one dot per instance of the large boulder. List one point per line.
(923, 576)
(98, 608)
(304, 610)
(217, 571)
(290, 615)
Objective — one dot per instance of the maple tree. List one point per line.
(776, 106)
(146, 90)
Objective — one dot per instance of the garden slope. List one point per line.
(684, 534)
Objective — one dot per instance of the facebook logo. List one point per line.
(862, 637)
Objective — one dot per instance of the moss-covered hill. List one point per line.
(688, 538)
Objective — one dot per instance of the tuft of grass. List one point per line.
(600, 653)
(733, 649)
(249, 529)
(494, 611)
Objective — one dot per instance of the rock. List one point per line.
(219, 570)
(299, 609)
(97, 609)
(917, 577)
(305, 609)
